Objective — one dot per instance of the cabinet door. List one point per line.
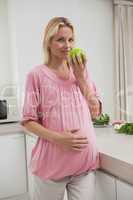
(105, 186)
(30, 142)
(12, 165)
(65, 196)
(124, 191)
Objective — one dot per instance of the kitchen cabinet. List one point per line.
(30, 142)
(65, 196)
(105, 186)
(124, 191)
(13, 171)
(19, 197)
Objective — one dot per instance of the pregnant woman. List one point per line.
(60, 102)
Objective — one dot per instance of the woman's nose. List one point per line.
(67, 44)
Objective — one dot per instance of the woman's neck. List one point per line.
(57, 64)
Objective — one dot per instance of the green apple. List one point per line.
(77, 52)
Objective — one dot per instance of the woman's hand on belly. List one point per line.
(72, 140)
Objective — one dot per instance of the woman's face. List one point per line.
(61, 43)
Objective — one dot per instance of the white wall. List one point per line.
(96, 23)
(93, 22)
(5, 59)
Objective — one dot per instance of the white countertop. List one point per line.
(116, 150)
(119, 146)
(116, 153)
(10, 128)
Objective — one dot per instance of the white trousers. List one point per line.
(81, 187)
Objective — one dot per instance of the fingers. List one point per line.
(94, 111)
(78, 136)
(94, 108)
(94, 115)
(79, 147)
(81, 141)
(84, 60)
(81, 61)
(93, 103)
(68, 64)
(75, 140)
(77, 62)
(74, 130)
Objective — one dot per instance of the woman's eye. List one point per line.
(63, 40)
(60, 40)
(71, 40)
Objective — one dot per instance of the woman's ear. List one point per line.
(49, 43)
(49, 46)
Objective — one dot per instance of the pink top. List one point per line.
(59, 105)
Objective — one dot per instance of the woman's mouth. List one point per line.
(66, 51)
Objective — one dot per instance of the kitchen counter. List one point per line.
(116, 150)
(10, 128)
(116, 153)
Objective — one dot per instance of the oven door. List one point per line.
(3, 110)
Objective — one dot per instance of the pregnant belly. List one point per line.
(55, 162)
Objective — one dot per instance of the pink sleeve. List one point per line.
(95, 89)
(31, 99)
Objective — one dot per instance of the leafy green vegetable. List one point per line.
(103, 119)
(126, 128)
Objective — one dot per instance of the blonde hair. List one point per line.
(50, 30)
